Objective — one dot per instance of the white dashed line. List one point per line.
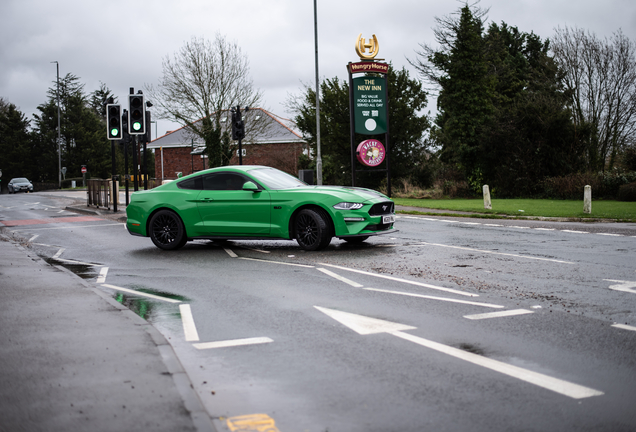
(230, 253)
(624, 327)
(497, 253)
(232, 343)
(340, 278)
(498, 314)
(425, 285)
(142, 294)
(189, 328)
(489, 305)
(102, 275)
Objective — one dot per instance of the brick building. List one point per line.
(270, 140)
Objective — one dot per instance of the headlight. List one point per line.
(348, 206)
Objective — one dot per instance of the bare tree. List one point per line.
(200, 83)
(601, 76)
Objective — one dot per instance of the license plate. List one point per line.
(388, 219)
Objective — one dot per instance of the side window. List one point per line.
(195, 183)
(223, 181)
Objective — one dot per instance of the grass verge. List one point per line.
(615, 210)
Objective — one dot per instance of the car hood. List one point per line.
(348, 193)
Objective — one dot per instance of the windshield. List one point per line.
(275, 179)
(20, 180)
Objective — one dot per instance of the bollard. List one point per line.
(587, 200)
(487, 203)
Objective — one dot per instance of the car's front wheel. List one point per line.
(313, 231)
(167, 231)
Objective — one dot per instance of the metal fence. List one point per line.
(98, 193)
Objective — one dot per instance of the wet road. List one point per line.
(450, 324)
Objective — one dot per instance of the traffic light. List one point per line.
(113, 122)
(238, 126)
(136, 114)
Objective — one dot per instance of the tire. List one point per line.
(355, 240)
(167, 231)
(312, 229)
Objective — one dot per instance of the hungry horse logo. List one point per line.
(361, 47)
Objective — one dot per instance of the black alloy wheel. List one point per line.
(167, 231)
(312, 228)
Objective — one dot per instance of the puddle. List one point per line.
(82, 270)
(150, 309)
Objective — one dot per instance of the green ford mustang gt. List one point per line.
(248, 202)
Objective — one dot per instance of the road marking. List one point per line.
(448, 221)
(497, 253)
(574, 231)
(608, 234)
(435, 298)
(230, 252)
(366, 325)
(519, 227)
(57, 255)
(51, 220)
(33, 238)
(497, 225)
(624, 327)
(142, 294)
(232, 343)
(251, 423)
(189, 328)
(498, 314)
(545, 229)
(625, 286)
(277, 262)
(340, 278)
(102, 275)
(255, 250)
(72, 227)
(402, 280)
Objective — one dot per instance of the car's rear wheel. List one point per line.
(167, 231)
(355, 240)
(312, 228)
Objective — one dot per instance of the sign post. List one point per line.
(368, 108)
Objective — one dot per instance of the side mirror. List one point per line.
(250, 186)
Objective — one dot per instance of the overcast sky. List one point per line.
(90, 39)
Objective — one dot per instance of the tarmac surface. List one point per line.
(73, 359)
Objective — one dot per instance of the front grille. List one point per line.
(382, 208)
(378, 227)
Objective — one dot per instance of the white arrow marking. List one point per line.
(189, 328)
(365, 325)
(102, 275)
(625, 286)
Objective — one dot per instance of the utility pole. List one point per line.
(318, 155)
(59, 130)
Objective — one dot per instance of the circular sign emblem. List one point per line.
(370, 152)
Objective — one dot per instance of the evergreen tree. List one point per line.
(407, 128)
(15, 144)
(83, 134)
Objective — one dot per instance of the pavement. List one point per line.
(74, 359)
